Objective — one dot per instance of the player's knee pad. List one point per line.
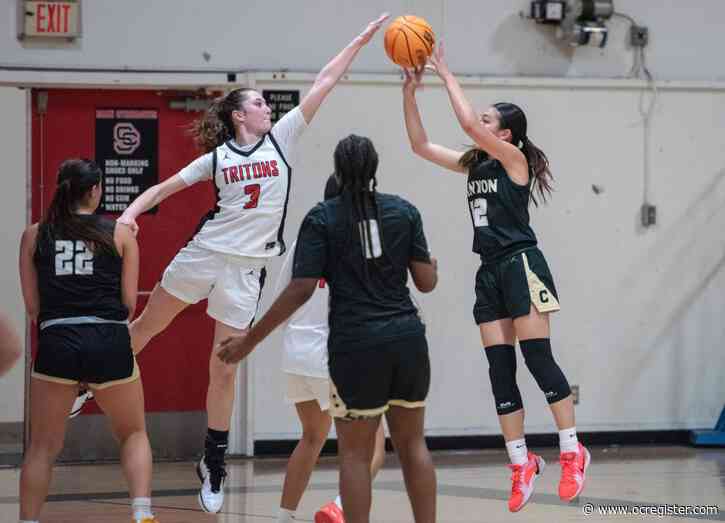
(546, 372)
(502, 371)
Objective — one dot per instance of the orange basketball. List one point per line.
(409, 41)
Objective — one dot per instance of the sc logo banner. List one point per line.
(126, 138)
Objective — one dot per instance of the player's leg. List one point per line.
(356, 440)
(532, 298)
(49, 405)
(189, 278)
(124, 405)
(408, 392)
(160, 310)
(316, 425)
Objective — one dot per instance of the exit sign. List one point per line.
(51, 19)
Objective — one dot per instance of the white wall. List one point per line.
(13, 147)
(638, 331)
(481, 37)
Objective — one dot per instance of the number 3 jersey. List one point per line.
(252, 187)
(499, 211)
(74, 281)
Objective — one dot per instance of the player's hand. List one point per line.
(128, 222)
(372, 28)
(437, 61)
(235, 348)
(413, 79)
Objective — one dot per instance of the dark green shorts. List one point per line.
(507, 288)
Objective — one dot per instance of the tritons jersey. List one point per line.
(252, 187)
(499, 211)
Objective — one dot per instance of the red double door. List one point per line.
(65, 124)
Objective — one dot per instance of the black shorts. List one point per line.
(98, 354)
(365, 383)
(507, 288)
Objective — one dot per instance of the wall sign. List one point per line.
(60, 19)
(281, 102)
(127, 149)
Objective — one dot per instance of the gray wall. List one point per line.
(13, 198)
(640, 329)
(481, 37)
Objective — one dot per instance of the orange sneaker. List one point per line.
(145, 520)
(573, 472)
(522, 481)
(330, 513)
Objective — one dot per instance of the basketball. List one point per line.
(409, 41)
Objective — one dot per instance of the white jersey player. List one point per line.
(251, 164)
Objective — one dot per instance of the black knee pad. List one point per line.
(502, 371)
(548, 375)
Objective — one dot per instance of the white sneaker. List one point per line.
(211, 495)
(83, 396)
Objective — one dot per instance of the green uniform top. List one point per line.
(499, 211)
(367, 305)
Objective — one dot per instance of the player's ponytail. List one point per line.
(512, 117)
(76, 178)
(216, 125)
(539, 169)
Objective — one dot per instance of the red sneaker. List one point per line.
(522, 481)
(573, 472)
(330, 513)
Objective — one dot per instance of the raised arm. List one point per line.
(333, 71)
(443, 156)
(508, 154)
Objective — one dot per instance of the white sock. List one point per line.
(29, 521)
(285, 516)
(518, 453)
(141, 508)
(338, 502)
(568, 441)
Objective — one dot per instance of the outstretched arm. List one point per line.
(236, 348)
(508, 154)
(443, 156)
(149, 199)
(333, 71)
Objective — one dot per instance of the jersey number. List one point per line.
(479, 208)
(374, 236)
(72, 258)
(253, 192)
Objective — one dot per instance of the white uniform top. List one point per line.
(252, 185)
(305, 334)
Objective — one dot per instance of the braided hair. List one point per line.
(356, 162)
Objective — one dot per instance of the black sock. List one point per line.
(215, 445)
(217, 436)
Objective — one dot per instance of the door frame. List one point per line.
(242, 433)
